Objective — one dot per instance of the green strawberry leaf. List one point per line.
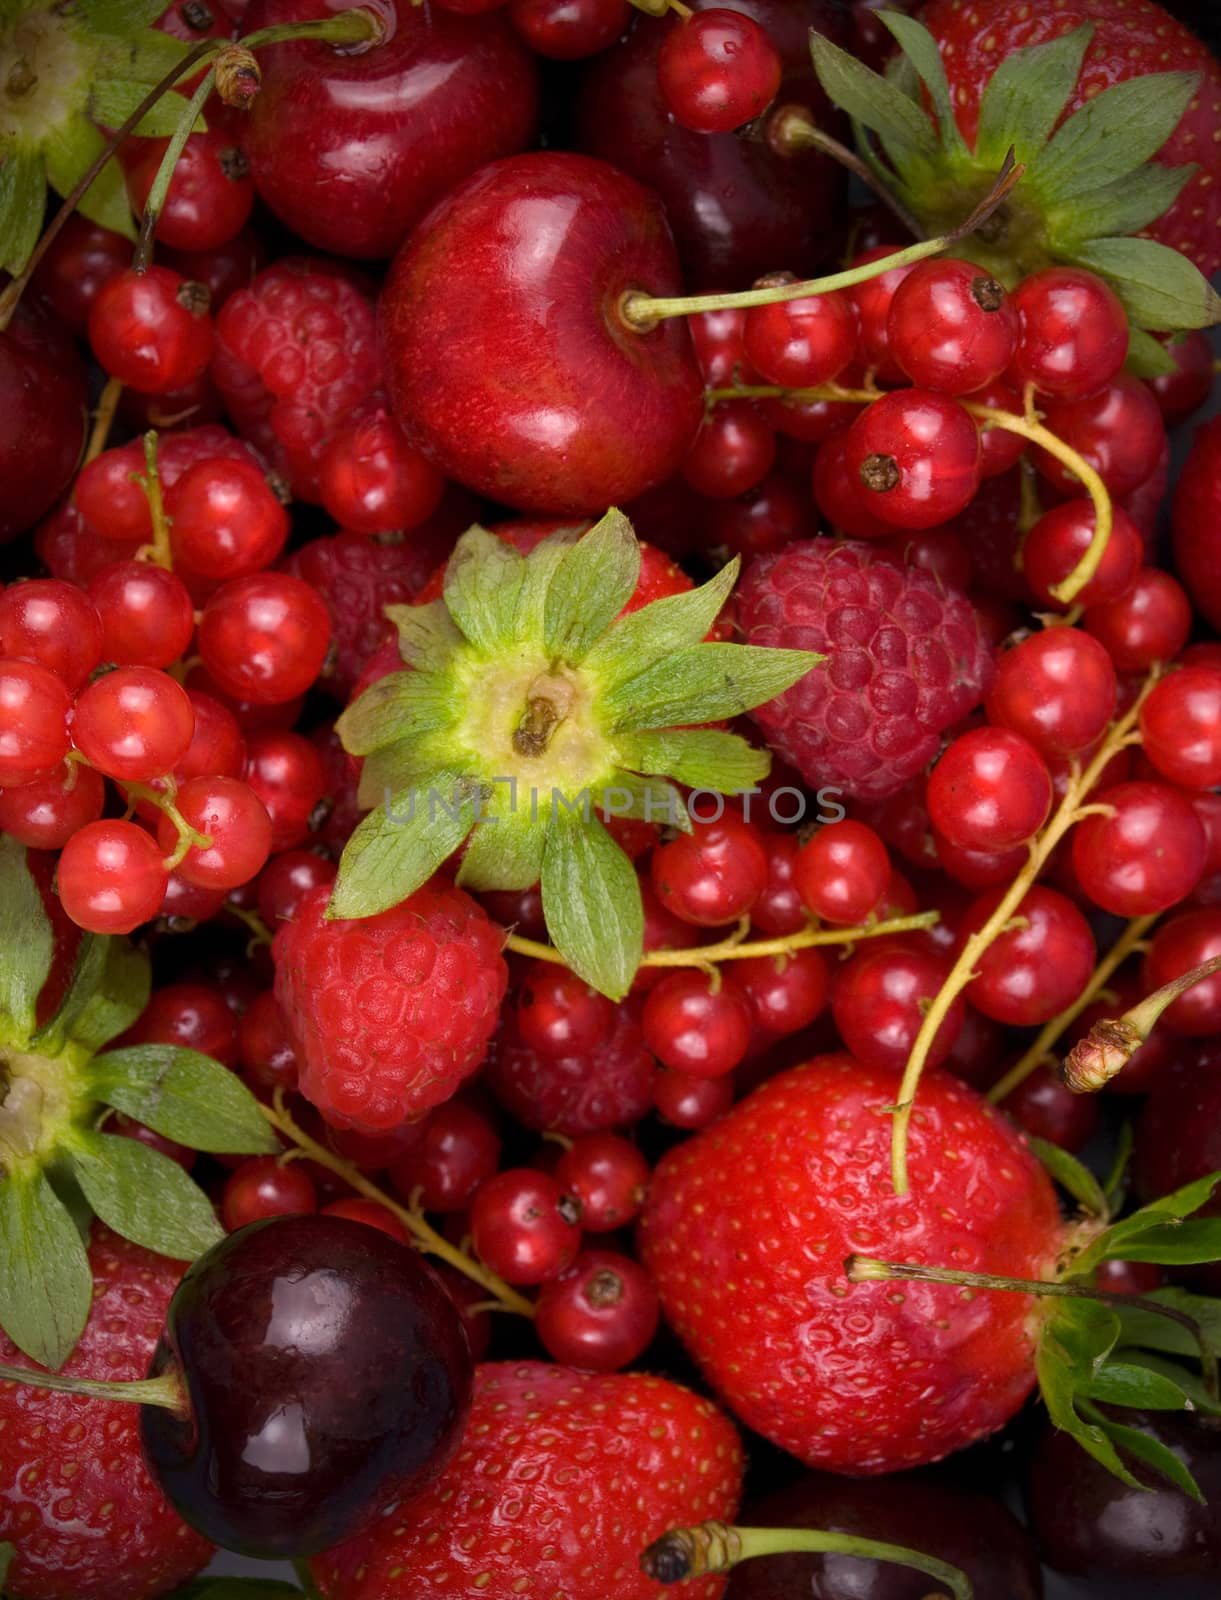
(1181, 1244)
(505, 849)
(591, 584)
(400, 845)
(702, 758)
(1160, 288)
(656, 631)
(644, 799)
(1147, 356)
(541, 566)
(1189, 1382)
(873, 101)
(483, 580)
(1077, 1338)
(23, 192)
(1148, 1330)
(101, 1005)
(591, 902)
(1073, 1176)
(1156, 1228)
(396, 706)
(1119, 1383)
(1154, 1454)
(184, 1096)
(410, 763)
(1123, 206)
(113, 100)
(119, 16)
(920, 48)
(1112, 135)
(69, 150)
(88, 973)
(145, 57)
(46, 1285)
(1026, 96)
(144, 1195)
(27, 943)
(705, 683)
(428, 635)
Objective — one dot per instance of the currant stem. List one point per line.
(165, 1391)
(426, 1237)
(733, 949)
(715, 1547)
(155, 203)
(1052, 1031)
(789, 129)
(159, 551)
(963, 970)
(1112, 1042)
(642, 312)
(103, 419)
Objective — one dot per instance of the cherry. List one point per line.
(691, 1103)
(559, 1015)
(264, 1044)
(224, 520)
(951, 327)
(193, 1015)
(1149, 622)
(1147, 856)
(111, 877)
(1179, 945)
(1059, 539)
(1180, 725)
(43, 402)
(81, 258)
(599, 1315)
(266, 1186)
(916, 455)
(210, 196)
(370, 1214)
(989, 791)
(290, 1444)
(716, 70)
(842, 872)
(371, 480)
(733, 451)
(1119, 431)
(879, 999)
(263, 638)
(712, 875)
(695, 1027)
(1074, 332)
(607, 1176)
(1037, 966)
(227, 812)
(569, 30)
(1057, 689)
(286, 772)
(567, 409)
(287, 879)
(44, 814)
(148, 619)
(133, 723)
(1046, 1109)
(802, 343)
(524, 1227)
(457, 1152)
(1185, 390)
(403, 121)
(151, 330)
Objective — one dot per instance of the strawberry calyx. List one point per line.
(58, 1086)
(1088, 182)
(531, 712)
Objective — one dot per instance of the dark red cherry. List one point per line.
(325, 1369)
(350, 148)
(42, 401)
(518, 375)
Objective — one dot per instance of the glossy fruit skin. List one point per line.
(91, 1523)
(1056, 688)
(524, 1227)
(292, 1444)
(1087, 1522)
(737, 208)
(1119, 432)
(599, 1315)
(649, 1456)
(351, 148)
(1180, 726)
(990, 791)
(717, 70)
(1151, 621)
(918, 1510)
(1197, 522)
(1031, 972)
(1059, 539)
(836, 1374)
(951, 327)
(879, 1000)
(931, 449)
(42, 392)
(1074, 332)
(1178, 1139)
(1145, 858)
(111, 877)
(610, 1086)
(1180, 944)
(517, 376)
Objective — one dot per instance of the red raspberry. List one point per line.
(907, 658)
(388, 1014)
(610, 1086)
(295, 352)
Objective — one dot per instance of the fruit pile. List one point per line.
(610, 799)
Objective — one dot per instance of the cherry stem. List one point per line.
(866, 1269)
(642, 312)
(738, 949)
(789, 129)
(426, 1237)
(103, 419)
(1040, 849)
(1051, 1032)
(716, 1547)
(159, 551)
(1112, 1042)
(165, 1391)
(14, 291)
(155, 202)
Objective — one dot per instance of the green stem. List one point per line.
(345, 27)
(789, 129)
(165, 1391)
(159, 551)
(155, 203)
(715, 1547)
(1112, 1042)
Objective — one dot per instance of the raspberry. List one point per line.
(295, 352)
(906, 659)
(610, 1086)
(388, 1014)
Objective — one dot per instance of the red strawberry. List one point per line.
(746, 1230)
(562, 1481)
(1131, 37)
(76, 1499)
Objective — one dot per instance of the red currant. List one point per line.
(694, 1027)
(691, 1103)
(458, 1151)
(285, 770)
(990, 790)
(712, 875)
(1074, 332)
(34, 707)
(133, 724)
(193, 1015)
(44, 815)
(599, 1315)
(1056, 688)
(524, 1227)
(916, 456)
(951, 327)
(801, 344)
(53, 623)
(1149, 622)
(1046, 1109)
(838, 493)
(1180, 945)
(148, 618)
(151, 330)
(842, 872)
(873, 300)
(560, 1015)
(879, 999)
(785, 993)
(1037, 966)
(111, 877)
(224, 520)
(264, 1044)
(716, 70)
(287, 879)
(231, 815)
(1185, 390)
(733, 451)
(1180, 725)
(371, 1213)
(569, 30)
(1146, 857)
(371, 480)
(1059, 539)
(1119, 431)
(263, 638)
(210, 195)
(266, 1186)
(608, 1176)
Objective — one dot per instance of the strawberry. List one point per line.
(76, 1500)
(746, 1230)
(562, 1481)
